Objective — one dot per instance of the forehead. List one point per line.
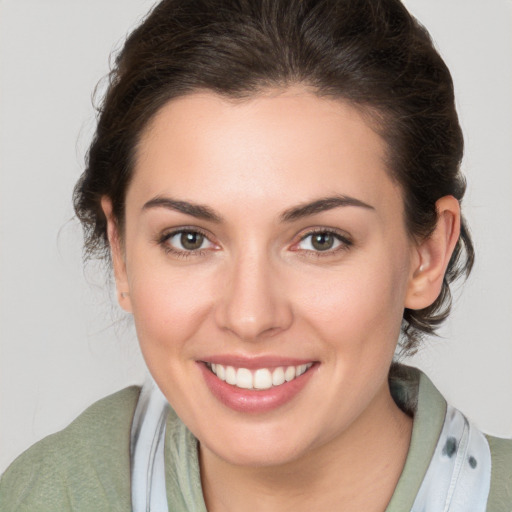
(282, 144)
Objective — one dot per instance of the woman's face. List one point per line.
(264, 238)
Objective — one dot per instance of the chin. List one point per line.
(258, 447)
(258, 456)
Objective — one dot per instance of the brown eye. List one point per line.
(322, 241)
(191, 241)
(185, 241)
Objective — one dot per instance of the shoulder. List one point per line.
(83, 467)
(500, 496)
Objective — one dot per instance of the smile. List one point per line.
(261, 378)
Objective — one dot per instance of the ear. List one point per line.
(432, 255)
(117, 254)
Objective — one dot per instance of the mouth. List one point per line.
(256, 384)
(259, 378)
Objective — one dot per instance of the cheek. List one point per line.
(359, 308)
(168, 305)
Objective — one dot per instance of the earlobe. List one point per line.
(432, 256)
(117, 255)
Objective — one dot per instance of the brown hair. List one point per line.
(372, 53)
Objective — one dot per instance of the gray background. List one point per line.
(63, 341)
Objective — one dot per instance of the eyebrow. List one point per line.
(297, 212)
(321, 205)
(195, 210)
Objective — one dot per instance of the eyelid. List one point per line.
(341, 236)
(167, 234)
(344, 239)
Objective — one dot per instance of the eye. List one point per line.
(186, 241)
(323, 241)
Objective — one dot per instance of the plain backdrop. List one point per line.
(64, 342)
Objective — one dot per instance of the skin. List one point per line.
(258, 287)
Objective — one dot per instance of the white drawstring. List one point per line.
(147, 450)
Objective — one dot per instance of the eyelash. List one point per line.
(344, 243)
(169, 249)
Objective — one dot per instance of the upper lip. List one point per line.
(255, 362)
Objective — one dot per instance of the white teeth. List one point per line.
(244, 378)
(278, 376)
(289, 373)
(301, 369)
(220, 371)
(230, 375)
(262, 378)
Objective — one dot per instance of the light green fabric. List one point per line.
(428, 422)
(86, 467)
(183, 481)
(83, 468)
(500, 498)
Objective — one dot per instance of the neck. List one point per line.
(369, 456)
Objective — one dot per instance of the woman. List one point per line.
(271, 259)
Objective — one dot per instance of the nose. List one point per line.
(253, 304)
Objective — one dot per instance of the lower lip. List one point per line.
(250, 400)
